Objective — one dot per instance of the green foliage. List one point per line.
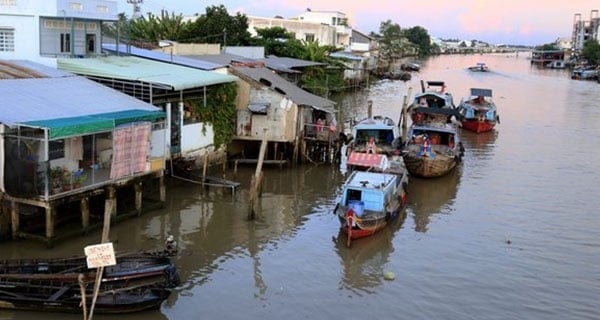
(219, 111)
(217, 26)
(547, 47)
(420, 38)
(591, 51)
(278, 41)
(150, 28)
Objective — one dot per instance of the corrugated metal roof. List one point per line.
(290, 63)
(20, 69)
(53, 98)
(138, 69)
(269, 78)
(163, 57)
(223, 58)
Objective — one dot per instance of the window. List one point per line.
(91, 42)
(76, 6)
(8, 2)
(56, 149)
(65, 42)
(309, 37)
(7, 40)
(102, 9)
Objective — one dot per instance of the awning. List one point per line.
(367, 160)
(74, 126)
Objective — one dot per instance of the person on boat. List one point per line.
(319, 125)
(479, 100)
(371, 145)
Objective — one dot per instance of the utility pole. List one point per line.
(136, 7)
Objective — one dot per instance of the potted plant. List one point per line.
(67, 180)
(56, 179)
(78, 177)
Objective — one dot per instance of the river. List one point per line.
(511, 234)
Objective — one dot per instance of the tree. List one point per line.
(391, 41)
(278, 41)
(420, 38)
(217, 26)
(591, 51)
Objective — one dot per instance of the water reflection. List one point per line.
(363, 264)
(479, 144)
(431, 196)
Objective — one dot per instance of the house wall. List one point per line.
(323, 34)
(195, 137)
(280, 119)
(80, 32)
(24, 18)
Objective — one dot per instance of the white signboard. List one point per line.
(100, 255)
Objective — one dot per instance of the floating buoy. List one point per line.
(388, 275)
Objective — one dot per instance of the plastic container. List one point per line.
(357, 206)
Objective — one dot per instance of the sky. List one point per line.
(494, 21)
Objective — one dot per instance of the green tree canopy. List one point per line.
(278, 41)
(217, 26)
(420, 38)
(591, 51)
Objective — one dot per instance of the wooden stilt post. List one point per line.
(84, 206)
(224, 168)
(138, 198)
(50, 222)
(111, 197)
(256, 179)
(162, 189)
(14, 216)
(205, 167)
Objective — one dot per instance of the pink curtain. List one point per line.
(130, 149)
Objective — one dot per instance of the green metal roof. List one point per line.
(138, 69)
(65, 127)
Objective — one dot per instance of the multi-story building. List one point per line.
(44, 30)
(584, 30)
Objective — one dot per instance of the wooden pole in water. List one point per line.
(256, 179)
(82, 289)
(369, 109)
(108, 210)
(404, 115)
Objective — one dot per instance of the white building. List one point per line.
(584, 30)
(43, 30)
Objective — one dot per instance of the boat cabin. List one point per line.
(376, 135)
(368, 191)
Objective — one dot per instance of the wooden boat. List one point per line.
(433, 148)
(434, 95)
(369, 201)
(480, 67)
(377, 134)
(137, 282)
(478, 111)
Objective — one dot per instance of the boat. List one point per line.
(410, 66)
(137, 282)
(433, 147)
(434, 95)
(369, 202)
(585, 73)
(556, 64)
(376, 134)
(479, 67)
(478, 111)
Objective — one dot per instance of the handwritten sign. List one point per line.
(100, 255)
